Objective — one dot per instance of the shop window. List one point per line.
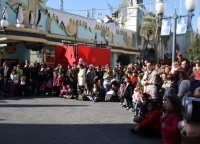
(49, 57)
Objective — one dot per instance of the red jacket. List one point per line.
(59, 81)
(134, 80)
(170, 132)
(152, 119)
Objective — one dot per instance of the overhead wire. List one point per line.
(120, 7)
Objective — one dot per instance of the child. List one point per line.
(59, 82)
(43, 88)
(134, 78)
(40, 82)
(1, 85)
(55, 76)
(86, 93)
(23, 87)
(175, 67)
(121, 94)
(157, 83)
(171, 87)
(111, 95)
(70, 93)
(136, 100)
(11, 88)
(14, 77)
(79, 92)
(49, 86)
(96, 93)
(63, 91)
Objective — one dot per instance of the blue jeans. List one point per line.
(89, 97)
(106, 87)
(135, 105)
(97, 99)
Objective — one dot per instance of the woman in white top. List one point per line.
(107, 78)
(14, 76)
(81, 76)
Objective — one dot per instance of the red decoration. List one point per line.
(10, 49)
(95, 56)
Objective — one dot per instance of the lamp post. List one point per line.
(139, 49)
(160, 9)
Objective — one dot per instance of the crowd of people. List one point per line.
(153, 92)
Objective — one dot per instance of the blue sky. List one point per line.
(81, 6)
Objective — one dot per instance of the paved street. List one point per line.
(50, 120)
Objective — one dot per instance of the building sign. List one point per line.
(143, 53)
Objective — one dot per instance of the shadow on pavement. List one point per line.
(70, 134)
(35, 106)
(25, 97)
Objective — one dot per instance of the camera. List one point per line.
(191, 109)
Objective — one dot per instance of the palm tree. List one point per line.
(150, 28)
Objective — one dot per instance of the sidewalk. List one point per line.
(51, 120)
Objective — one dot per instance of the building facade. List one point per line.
(51, 27)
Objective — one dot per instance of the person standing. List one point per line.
(81, 76)
(5, 71)
(128, 92)
(148, 78)
(90, 76)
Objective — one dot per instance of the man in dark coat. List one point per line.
(128, 92)
(5, 71)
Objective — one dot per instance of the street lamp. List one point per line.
(139, 49)
(160, 9)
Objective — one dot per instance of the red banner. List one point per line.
(64, 55)
(95, 56)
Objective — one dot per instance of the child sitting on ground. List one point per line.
(63, 91)
(70, 93)
(111, 95)
(95, 94)
(86, 93)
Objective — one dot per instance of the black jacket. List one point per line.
(8, 73)
(128, 91)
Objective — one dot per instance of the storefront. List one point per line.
(51, 28)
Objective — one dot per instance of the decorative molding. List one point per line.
(64, 18)
(41, 8)
(34, 35)
(128, 40)
(43, 1)
(28, 30)
(106, 33)
(71, 28)
(54, 18)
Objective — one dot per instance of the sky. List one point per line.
(80, 7)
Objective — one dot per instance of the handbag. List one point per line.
(82, 97)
